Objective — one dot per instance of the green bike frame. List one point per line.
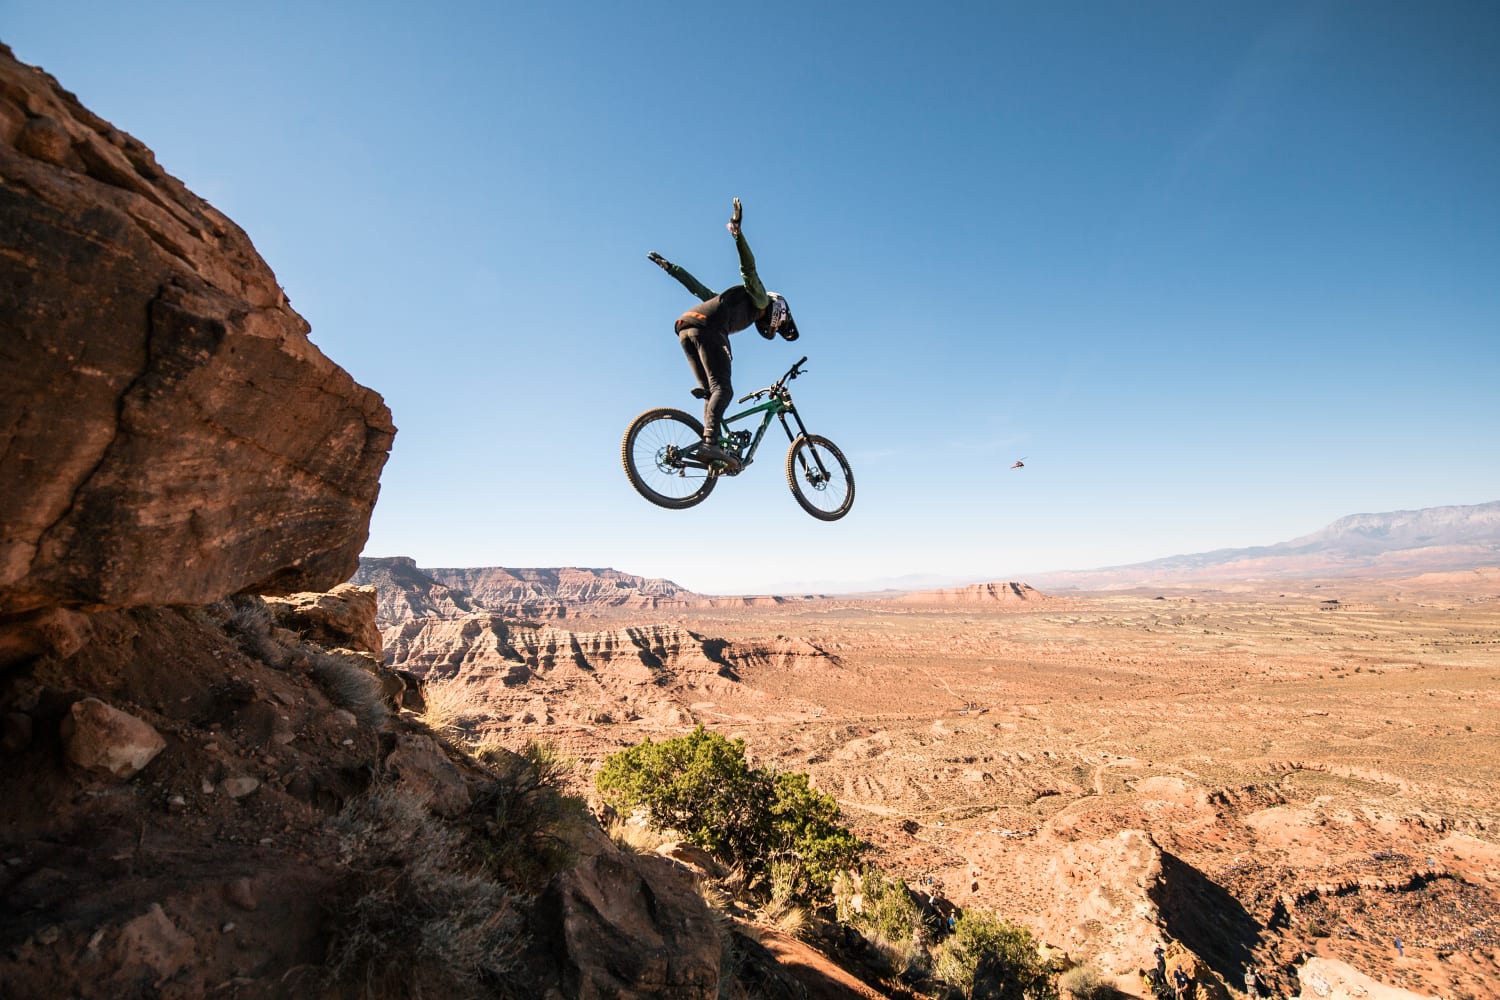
(776, 406)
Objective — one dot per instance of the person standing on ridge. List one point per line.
(704, 331)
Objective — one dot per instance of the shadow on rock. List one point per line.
(1203, 915)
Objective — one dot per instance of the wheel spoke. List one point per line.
(820, 478)
(652, 455)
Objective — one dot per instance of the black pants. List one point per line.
(709, 357)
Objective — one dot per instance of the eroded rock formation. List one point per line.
(1008, 592)
(168, 432)
(496, 587)
(404, 592)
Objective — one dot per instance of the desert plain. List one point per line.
(1299, 776)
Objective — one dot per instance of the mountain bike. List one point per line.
(660, 455)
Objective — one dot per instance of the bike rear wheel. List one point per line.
(652, 455)
(820, 477)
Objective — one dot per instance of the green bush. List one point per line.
(979, 935)
(774, 826)
(526, 829)
(884, 913)
(809, 847)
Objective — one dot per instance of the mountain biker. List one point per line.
(704, 331)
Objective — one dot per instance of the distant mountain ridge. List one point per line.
(999, 592)
(406, 592)
(1434, 539)
(495, 586)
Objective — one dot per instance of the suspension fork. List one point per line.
(817, 459)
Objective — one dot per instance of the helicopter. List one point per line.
(1020, 463)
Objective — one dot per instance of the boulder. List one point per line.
(168, 432)
(344, 616)
(627, 927)
(1329, 979)
(47, 632)
(101, 738)
(421, 767)
(154, 942)
(695, 859)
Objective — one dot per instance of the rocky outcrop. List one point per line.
(403, 592)
(527, 674)
(343, 617)
(486, 642)
(1330, 979)
(496, 587)
(168, 432)
(979, 593)
(630, 926)
(646, 654)
(407, 592)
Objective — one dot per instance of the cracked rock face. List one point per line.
(168, 432)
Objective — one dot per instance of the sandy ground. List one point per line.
(1252, 777)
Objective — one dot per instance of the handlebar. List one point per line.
(791, 373)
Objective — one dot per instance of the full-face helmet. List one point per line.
(777, 319)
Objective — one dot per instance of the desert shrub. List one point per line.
(452, 706)
(636, 838)
(699, 785)
(788, 918)
(526, 827)
(249, 624)
(413, 918)
(808, 846)
(551, 767)
(1084, 982)
(981, 937)
(774, 826)
(350, 684)
(884, 913)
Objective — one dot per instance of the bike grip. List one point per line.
(749, 397)
(801, 363)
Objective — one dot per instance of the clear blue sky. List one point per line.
(1222, 272)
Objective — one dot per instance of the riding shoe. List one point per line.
(699, 392)
(713, 453)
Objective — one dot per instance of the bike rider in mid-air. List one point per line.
(704, 332)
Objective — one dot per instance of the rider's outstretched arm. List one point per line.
(747, 261)
(689, 282)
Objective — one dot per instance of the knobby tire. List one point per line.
(648, 465)
(827, 499)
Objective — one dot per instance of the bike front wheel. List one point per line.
(652, 454)
(820, 478)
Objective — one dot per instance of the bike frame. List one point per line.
(778, 405)
(773, 407)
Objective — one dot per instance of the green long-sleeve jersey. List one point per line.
(750, 280)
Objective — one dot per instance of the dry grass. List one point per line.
(785, 917)
(249, 623)
(454, 708)
(637, 838)
(350, 684)
(1084, 982)
(414, 917)
(491, 750)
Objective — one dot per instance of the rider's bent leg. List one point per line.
(709, 357)
(688, 338)
(713, 352)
